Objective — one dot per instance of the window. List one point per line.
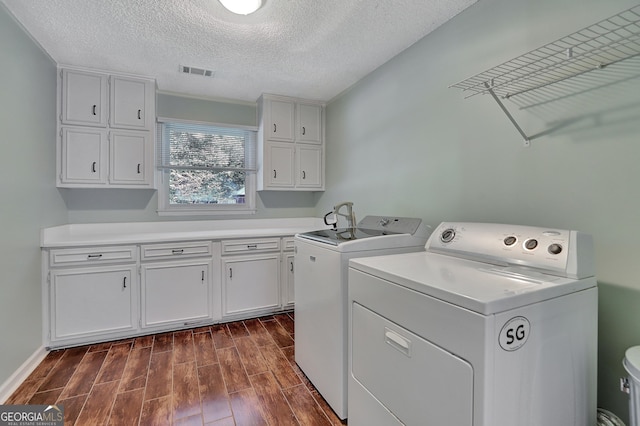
(206, 169)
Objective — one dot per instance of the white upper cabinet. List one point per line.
(130, 103)
(309, 161)
(84, 156)
(106, 134)
(281, 120)
(309, 122)
(281, 159)
(130, 158)
(85, 98)
(290, 144)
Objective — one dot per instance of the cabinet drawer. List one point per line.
(177, 250)
(250, 246)
(92, 255)
(288, 244)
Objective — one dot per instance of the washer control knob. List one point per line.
(510, 240)
(555, 248)
(531, 244)
(447, 235)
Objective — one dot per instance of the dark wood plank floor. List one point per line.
(240, 373)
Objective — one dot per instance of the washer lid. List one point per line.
(632, 361)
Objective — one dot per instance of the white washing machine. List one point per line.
(493, 325)
(320, 285)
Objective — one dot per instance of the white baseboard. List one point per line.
(20, 375)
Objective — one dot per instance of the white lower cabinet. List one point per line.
(93, 302)
(250, 277)
(287, 288)
(176, 293)
(176, 284)
(92, 294)
(251, 284)
(101, 293)
(288, 297)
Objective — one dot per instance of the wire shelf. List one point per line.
(595, 47)
(543, 75)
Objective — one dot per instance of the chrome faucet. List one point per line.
(349, 215)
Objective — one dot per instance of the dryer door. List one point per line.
(416, 381)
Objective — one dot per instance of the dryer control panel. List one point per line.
(556, 252)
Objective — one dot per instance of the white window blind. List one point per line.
(205, 168)
(203, 147)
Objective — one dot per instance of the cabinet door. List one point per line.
(288, 293)
(176, 293)
(279, 164)
(309, 123)
(309, 161)
(83, 156)
(130, 158)
(130, 103)
(280, 126)
(92, 301)
(251, 283)
(84, 98)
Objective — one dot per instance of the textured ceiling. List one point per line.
(306, 48)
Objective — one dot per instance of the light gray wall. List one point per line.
(400, 142)
(140, 205)
(28, 197)
(208, 110)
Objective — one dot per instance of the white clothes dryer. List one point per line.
(493, 325)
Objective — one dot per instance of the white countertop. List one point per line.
(74, 235)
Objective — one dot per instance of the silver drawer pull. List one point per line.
(94, 256)
(177, 251)
(252, 246)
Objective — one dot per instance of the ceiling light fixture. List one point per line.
(242, 7)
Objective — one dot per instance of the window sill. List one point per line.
(199, 212)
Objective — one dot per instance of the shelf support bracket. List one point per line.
(527, 139)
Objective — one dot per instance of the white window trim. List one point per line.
(162, 183)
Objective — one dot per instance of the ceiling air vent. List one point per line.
(196, 71)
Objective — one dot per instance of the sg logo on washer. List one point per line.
(514, 333)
